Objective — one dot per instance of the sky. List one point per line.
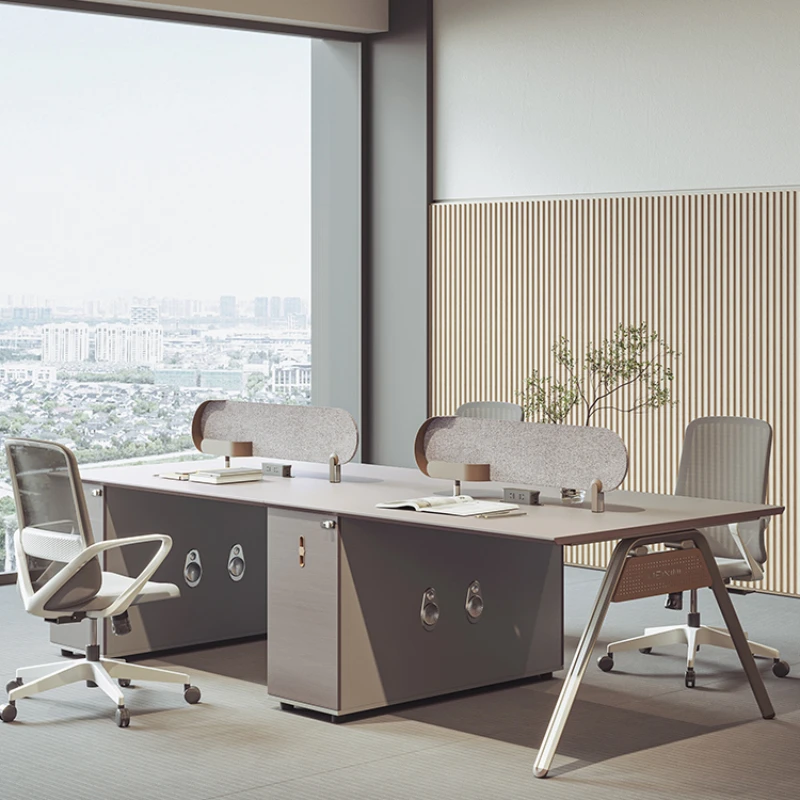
(142, 157)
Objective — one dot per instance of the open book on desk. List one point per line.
(460, 505)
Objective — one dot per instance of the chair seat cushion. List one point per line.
(114, 585)
(736, 568)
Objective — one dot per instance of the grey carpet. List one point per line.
(634, 733)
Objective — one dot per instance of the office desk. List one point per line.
(344, 602)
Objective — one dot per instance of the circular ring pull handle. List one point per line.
(429, 609)
(474, 602)
(236, 563)
(192, 569)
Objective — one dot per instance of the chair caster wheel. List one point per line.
(17, 682)
(8, 712)
(646, 650)
(606, 663)
(780, 669)
(191, 694)
(124, 682)
(122, 717)
(287, 707)
(690, 679)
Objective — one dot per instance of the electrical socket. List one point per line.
(525, 497)
(277, 470)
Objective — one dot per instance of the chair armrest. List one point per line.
(37, 601)
(129, 595)
(755, 567)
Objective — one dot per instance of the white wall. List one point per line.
(554, 97)
(363, 16)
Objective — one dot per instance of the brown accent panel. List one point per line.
(714, 273)
(661, 573)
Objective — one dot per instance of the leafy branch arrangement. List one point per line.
(632, 358)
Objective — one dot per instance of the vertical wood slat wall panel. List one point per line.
(713, 273)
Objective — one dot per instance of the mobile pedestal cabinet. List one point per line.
(218, 559)
(364, 614)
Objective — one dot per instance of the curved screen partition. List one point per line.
(292, 433)
(529, 453)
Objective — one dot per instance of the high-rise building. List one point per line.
(292, 305)
(178, 308)
(227, 306)
(275, 307)
(144, 315)
(261, 308)
(145, 344)
(111, 343)
(291, 376)
(65, 342)
(117, 343)
(23, 314)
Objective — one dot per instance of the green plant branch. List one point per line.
(631, 355)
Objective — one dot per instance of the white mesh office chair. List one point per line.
(490, 409)
(61, 580)
(723, 458)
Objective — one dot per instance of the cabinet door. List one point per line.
(217, 606)
(302, 617)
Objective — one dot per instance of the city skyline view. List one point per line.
(155, 236)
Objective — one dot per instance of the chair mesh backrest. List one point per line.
(491, 410)
(53, 522)
(727, 458)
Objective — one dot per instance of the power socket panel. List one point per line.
(525, 497)
(277, 470)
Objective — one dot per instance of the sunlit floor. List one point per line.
(635, 732)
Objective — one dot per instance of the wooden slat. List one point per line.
(713, 273)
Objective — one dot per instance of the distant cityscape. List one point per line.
(120, 379)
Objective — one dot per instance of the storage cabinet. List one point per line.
(375, 614)
(218, 560)
(303, 613)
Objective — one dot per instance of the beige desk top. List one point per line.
(627, 514)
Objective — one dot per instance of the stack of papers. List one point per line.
(229, 475)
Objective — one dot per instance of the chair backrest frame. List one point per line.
(491, 409)
(727, 458)
(53, 520)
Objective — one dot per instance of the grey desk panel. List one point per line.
(388, 656)
(217, 608)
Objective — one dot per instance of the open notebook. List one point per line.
(461, 505)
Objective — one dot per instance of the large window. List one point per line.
(154, 230)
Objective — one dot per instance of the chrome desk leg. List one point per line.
(735, 629)
(588, 640)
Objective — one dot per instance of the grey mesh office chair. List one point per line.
(60, 576)
(723, 458)
(490, 409)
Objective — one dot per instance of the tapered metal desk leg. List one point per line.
(735, 630)
(588, 640)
